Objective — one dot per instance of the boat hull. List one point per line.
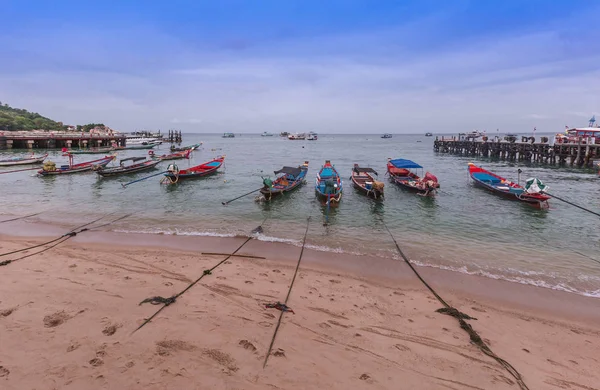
(504, 188)
(111, 172)
(199, 171)
(78, 168)
(361, 187)
(24, 161)
(328, 173)
(278, 189)
(407, 180)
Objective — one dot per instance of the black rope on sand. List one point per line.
(283, 306)
(60, 240)
(451, 311)
(157, 300)
(56, 239)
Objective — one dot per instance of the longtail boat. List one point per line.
(8, 162)
(329, 184)
(365, 180)
(172, 156)
(531, 193)
(174, 174)
(50, 168)
(400, 173)
(124, 168)
(184, 148)
(145, 145)
(289, 179)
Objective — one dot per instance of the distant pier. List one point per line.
(581, 153)
(49, 140)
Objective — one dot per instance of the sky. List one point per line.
(337, 66)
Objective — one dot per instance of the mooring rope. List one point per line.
(573, 204)
(283, 307)
(60, 239)
(449, 310)
(56, 239)
(23, 217)
(157, 300)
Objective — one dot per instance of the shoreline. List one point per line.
(388, 271)
(358, 322)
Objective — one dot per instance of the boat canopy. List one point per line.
(366, 170)
(290, 171)
(402, 163)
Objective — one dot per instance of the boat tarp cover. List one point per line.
(402, 163)
(290, 171)
(367, 170)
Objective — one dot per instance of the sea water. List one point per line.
(463, 228)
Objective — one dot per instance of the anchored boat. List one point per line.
(50, 168)
(172, 156)
(401, 172)
(8, 162)
(365, 181)
(289, 179)
(532, 193)
(329, 184)
(184, 148)
(132, 168)
(174, 174)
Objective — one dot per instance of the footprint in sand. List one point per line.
(4, 371)
(222, 358)
(56, 319)
(166, 347)
(73, 346)
(96, 362)
(7, 312)
(111, 329)
(279, 353)
(247, 345)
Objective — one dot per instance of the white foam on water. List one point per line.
(177, 232)
(513, 275)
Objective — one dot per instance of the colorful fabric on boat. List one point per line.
(535, 186)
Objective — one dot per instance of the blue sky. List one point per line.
(333, 67)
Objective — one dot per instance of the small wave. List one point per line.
(177, 232)
(513, 275)
(520, 280)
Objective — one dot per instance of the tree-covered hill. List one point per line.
(18, 119)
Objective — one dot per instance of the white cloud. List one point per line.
(368, 82)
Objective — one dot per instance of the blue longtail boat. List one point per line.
(329, 184)
(532, 193)
(289, 179)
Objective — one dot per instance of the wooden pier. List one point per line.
(174, 137)
(580, 154)
(49, 140)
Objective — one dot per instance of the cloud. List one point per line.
(411, 77)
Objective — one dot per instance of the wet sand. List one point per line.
(67, 317)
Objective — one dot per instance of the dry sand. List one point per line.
(67, 316)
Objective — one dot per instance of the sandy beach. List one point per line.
(67, 317)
